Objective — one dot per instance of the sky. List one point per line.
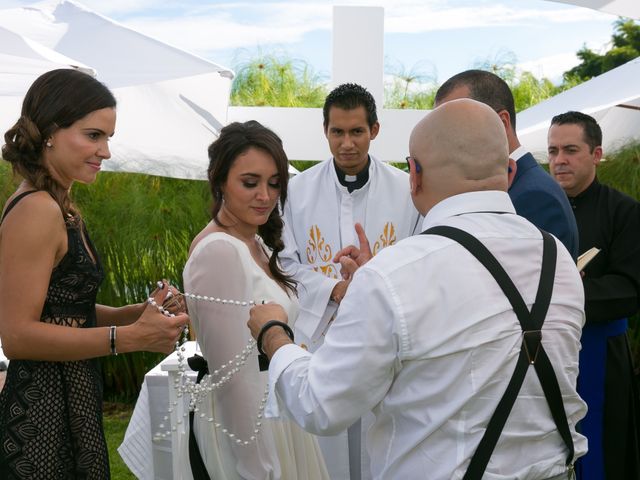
(431, 38)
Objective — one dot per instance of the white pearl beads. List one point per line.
(198, 392)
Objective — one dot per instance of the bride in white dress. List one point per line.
(235, 257)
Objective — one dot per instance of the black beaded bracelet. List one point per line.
(267, 326)
(112, 340)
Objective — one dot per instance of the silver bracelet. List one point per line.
(112, 340)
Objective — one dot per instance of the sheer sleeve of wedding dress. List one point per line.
(221, 266)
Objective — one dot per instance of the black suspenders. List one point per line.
(531, 352)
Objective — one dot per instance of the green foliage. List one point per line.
(413, 88)
(398, 95)
(502, 64)
(142, 227)
(277, 82)
(621, 170)
(529, 91)
(8, 183)
(115, 422)
(625, 47)
(302, 165)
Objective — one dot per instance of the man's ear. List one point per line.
(415, 181)
(505, 118)
(512, 169)
(597, 155)
(375, 129)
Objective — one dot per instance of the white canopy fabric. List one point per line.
(21, 61)
(171, 104)
(612, 98)
(622, 8)
(21, 58)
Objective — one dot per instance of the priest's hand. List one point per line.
(351, 258)
(275, 337)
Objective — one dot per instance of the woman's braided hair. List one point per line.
(55, 100)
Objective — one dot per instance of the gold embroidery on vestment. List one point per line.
(320, 252)
(388, 237)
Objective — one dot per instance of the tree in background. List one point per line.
(529, 90)
(625, 43)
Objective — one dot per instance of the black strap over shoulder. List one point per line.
(198, 468)
(15, 200)
(531, 352)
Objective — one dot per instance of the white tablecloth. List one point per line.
(153, 460)
(148, 459)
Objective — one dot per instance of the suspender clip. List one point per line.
(531, 341)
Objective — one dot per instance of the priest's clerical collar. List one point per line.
(587, 192)
(353, 182)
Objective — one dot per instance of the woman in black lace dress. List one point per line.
(51, 328)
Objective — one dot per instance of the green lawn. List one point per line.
(116, 419)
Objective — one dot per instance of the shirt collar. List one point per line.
(470, 202)
(586, 193)
(353, 182)
(518, 153)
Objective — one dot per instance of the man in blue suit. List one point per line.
(535, 195)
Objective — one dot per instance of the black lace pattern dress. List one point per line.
(51, 412)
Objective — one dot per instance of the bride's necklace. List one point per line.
(198, 392)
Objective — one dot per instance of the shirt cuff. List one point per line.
(284, 356)
(322, 295)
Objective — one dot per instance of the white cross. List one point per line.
(301, 128)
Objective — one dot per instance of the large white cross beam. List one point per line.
(301, 128)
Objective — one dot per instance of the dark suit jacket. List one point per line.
(538, 198)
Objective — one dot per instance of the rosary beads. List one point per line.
(198, 392)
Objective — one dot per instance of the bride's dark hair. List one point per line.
(234, 140)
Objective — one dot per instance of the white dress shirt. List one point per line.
(518, 153)
(426, 338)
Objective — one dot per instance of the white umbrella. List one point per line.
(622, 8)
(21, 62)
(171, 104)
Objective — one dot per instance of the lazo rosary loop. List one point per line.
(198, 392)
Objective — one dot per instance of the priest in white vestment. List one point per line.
(323, 205)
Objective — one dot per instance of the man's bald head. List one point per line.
(461, 147)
